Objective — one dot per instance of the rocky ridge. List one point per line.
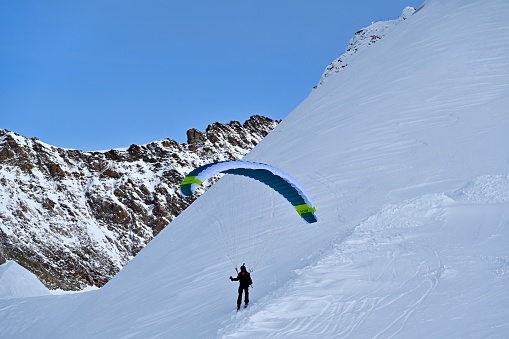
(362, 39)
(76, 218)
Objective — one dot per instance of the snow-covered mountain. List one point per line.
(76, 218)
(404, 154)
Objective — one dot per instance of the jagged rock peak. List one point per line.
(255, 127)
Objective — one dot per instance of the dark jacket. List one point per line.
(244, 279)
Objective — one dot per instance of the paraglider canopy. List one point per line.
(273, 177)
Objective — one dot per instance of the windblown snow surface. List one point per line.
(17, 282)
(405, 155)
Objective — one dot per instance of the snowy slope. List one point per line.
(17, 282)
(406, 161)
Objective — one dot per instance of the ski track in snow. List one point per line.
(363, 276)
(301, 310)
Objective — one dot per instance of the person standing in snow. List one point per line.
(244, 279)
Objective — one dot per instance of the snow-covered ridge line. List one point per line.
(362, 39)
(76, 218)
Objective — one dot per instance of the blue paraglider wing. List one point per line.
(278, 180)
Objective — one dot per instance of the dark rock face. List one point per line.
(76, 218)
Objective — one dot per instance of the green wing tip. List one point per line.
(190, 181)
(305, 208)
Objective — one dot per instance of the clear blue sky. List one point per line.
(102, 74)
